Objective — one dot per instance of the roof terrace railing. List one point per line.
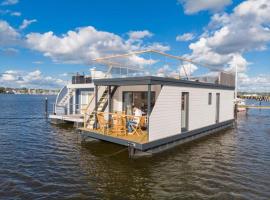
(157, 63)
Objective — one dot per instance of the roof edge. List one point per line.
(154, 80)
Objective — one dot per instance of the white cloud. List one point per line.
(137, 35)
(230, 35)
(84, 44)
(11, 13)
(33, 79)
(184, 70)
(185, 37)
(9, 51)
(163, 71)
(9, 2)
(8, 76)
(202, 53)
(140, 60)
(260, 83)
(194, 6)
(26, 23)
(64, 74)
(8, 35)
(158, 47)
(16, 14)
(38, 62)
(239, 61)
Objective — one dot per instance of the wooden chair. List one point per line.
(143, 122)
(119, 124)
(137, 128)
(103, 124)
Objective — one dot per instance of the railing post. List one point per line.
(109, 102)
(46, 106)
(149, 100)
(54, 109)
(96, 105)
(74, 107)
(68, 105)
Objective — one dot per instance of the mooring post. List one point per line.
(46, 106)
(54, 110)
(131, 150)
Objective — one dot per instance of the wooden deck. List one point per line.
(142, 138)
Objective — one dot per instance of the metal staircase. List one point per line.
(101, 106)
(64, 101)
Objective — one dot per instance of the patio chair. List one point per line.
(103, 124)
(137, 127)
(119, 124)
(143, 122)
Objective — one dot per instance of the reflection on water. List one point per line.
(39, 160)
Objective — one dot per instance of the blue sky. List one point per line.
(36, 49)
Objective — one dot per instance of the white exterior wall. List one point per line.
(165, 119)
(226, 105)
(118, 96)
(80, 86)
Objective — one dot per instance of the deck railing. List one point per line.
(72, 108)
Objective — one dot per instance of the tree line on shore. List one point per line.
(7, 90)
(255, 96)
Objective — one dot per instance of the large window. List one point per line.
(138, 99)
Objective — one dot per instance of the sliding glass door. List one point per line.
(138, 99)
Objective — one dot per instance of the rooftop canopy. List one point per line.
(159, 64)
(152, 80)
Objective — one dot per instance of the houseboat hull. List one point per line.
(159, 145)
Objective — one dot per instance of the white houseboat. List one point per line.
(149, 114)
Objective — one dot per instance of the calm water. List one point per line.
(42, 161)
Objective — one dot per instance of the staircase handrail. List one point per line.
(61, 94)
(94, 96)
(87, 107)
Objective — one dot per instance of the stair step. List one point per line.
(101, 104)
